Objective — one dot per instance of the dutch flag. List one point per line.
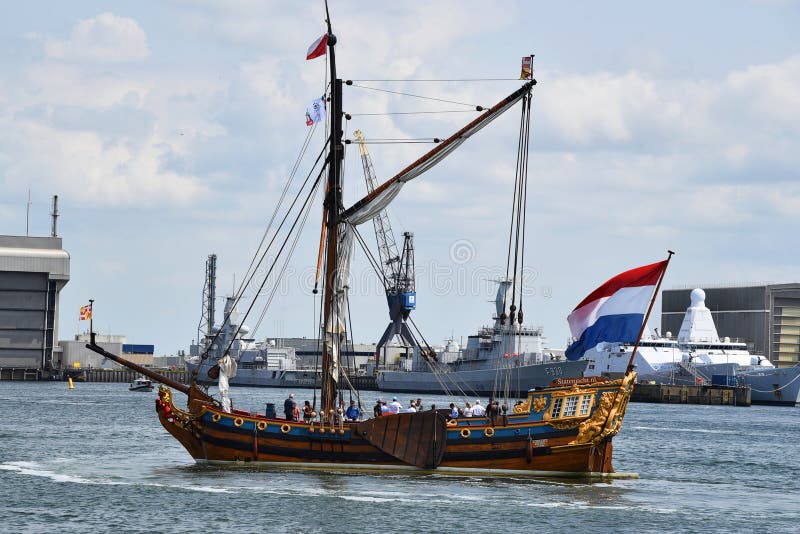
(614, 312)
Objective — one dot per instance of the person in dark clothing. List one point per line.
(288, 407)
(492, 411)
(308, 412)
(376, 411)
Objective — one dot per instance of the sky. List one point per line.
(168, 130)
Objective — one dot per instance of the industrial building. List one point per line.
(33, 270)
(75, 355)
(766, 317)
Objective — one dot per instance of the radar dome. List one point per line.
(698, 297)
(244, 330)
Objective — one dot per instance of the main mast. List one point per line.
(333, 207)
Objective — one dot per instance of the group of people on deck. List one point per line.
(292, 412)
(382, 408)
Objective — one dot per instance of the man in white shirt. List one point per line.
(478, 410)
(395, 406)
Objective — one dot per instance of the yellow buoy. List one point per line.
(71, 386)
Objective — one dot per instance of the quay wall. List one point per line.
(674, 394)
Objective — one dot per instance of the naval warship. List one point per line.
(501, 354)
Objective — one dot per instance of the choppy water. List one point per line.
(96, 459)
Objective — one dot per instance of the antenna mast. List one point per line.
(54, 230)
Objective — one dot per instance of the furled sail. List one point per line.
(369, 206)
(227, 370)
(336, 325)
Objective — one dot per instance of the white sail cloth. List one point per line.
(336, 324)
(227, 370)
(368, 207)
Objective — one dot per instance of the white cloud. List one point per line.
(105, 37)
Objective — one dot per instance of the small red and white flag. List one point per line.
(527, 67)
(318, 47)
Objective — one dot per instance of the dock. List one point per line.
(699, 394)
(123, 375)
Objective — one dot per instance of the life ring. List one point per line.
(488, 432)
(261, 425)
(216, 417)
(238, 421)
(285, 428)
(452, 422)
(465, 432)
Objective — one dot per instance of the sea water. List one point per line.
(96, 459)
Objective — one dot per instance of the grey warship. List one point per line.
(259, 363)
(513, 355)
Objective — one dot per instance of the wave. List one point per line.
(34, 469)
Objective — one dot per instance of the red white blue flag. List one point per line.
(318, 47)
(614, 312)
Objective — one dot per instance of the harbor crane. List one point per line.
(397, 269)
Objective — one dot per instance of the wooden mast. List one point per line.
(333, 206)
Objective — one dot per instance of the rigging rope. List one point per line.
(350, 82)
(443, 80)
(278, 255)
(415, 112)
(247, 280)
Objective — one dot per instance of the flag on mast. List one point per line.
(86, 312)
(316, 111)
(614, 312)
(318, 47)
(527, 67)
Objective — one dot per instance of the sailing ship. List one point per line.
(564, 429)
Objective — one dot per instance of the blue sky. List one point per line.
(168, 128)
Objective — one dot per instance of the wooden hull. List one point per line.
(541, 437)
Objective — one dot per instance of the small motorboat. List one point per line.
(141, 384)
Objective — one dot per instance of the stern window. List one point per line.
(586, 401)
(570, 406)
(557, 407)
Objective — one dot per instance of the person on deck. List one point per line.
(411, 407)
(295, 412)
(395, 406)
(308, 411)
(453, 411)
(468, 410)
(288, 406)
(353, 412)
(478, 410)
(492, 411)
(377, 411)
